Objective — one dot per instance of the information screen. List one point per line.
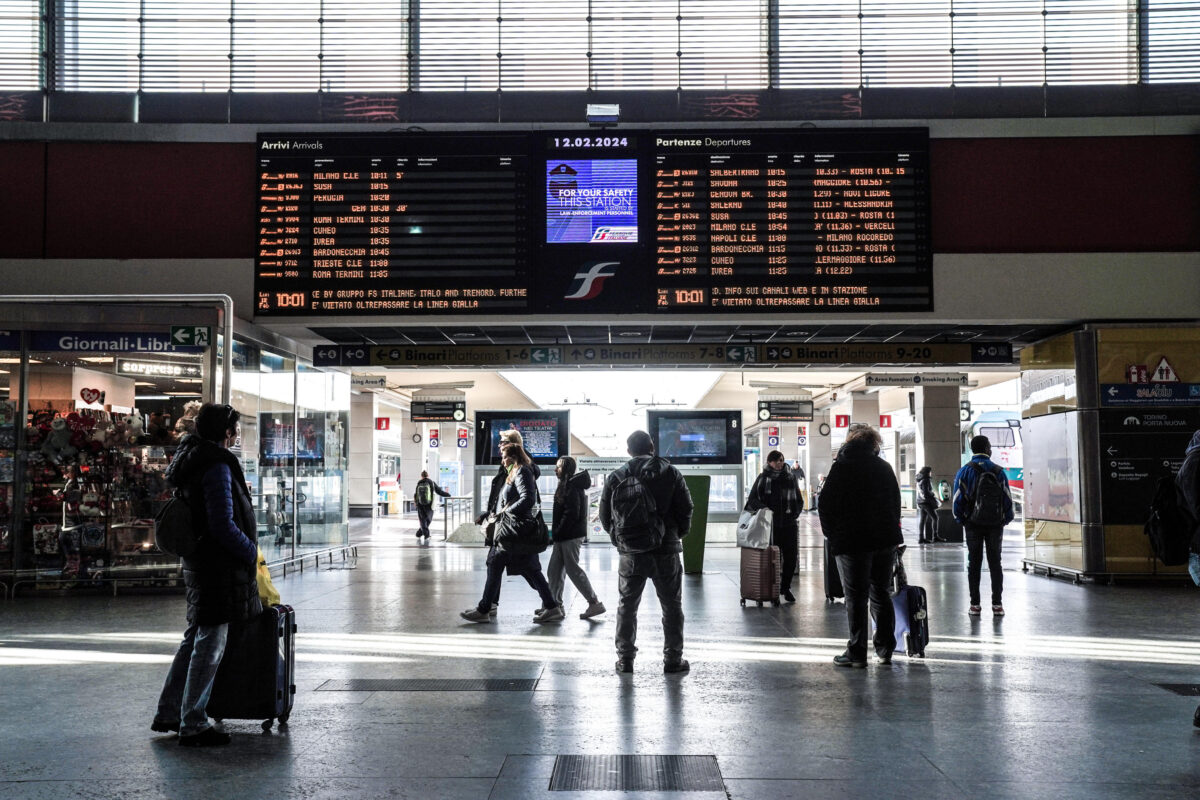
(696, 437)
(576, 223)
(592, 200)
(781, 222)
(392, 224)
(544, 434)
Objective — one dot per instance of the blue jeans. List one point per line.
(190, 680)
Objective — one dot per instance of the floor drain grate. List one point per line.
(1185, 689)
(430, 685)
(636, 774)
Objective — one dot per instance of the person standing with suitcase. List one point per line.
(860, 517)
(983, 506)
(221, 577)
(776, 488)
(423, 498)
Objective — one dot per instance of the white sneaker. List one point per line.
(593, 610)
(550, 615)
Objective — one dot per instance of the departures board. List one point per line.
(594, 222)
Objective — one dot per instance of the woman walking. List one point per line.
(570, 527)
(517, 506)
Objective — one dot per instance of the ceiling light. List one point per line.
(629, 333)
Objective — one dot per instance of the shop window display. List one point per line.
(8, 445)
(100, 431)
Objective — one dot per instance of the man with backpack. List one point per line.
(647, 509)
(983, 506)
(423, 497)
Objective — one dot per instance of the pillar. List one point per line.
(939, 440)
(363, 454)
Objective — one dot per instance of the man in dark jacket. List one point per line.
(221, 580)
(776, 488)
(662, 565)
(423, 498)
(980, 535)
(927, 506)
(860, 516)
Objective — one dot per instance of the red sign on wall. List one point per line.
(773, 431)
(383, 423)
(885, 420)
(433, 437)
(841, 421)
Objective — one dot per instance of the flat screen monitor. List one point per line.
(277, 434)
(697, 437)
(546, 434)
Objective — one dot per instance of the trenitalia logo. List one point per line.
(590, 283)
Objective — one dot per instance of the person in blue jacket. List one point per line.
(221, 576)
(982, 527)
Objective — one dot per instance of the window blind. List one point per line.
(20, 45)
(515, 45)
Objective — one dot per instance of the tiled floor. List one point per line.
(1057, 700)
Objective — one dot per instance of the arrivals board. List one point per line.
(593, 222)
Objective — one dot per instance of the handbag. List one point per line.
(754, 528)
(527, 534)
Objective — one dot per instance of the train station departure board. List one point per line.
(594, 222)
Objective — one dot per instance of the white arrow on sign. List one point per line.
(1112, 390)
(538, 355)
(1112, 451)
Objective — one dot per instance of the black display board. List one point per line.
(637, 221)
(1137, 446)
(438, 411)
(704, 437)
(546, 434)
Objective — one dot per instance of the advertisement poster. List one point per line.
(591, 200)
(1052, 468)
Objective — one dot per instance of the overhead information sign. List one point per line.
(931, 379)
(668, 355)
(786, 410)
(643, 221)
(438, 411)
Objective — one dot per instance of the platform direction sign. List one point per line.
(750, 356)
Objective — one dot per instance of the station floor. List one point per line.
(1060, 699)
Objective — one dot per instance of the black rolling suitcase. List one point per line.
(833, 579)
(948, 529)
(257, 676)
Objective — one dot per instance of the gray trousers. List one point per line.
(666, 571)
(564, 561)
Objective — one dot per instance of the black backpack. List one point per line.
(987, 499)
(637, 527)
(1170, 525)
(175, 530)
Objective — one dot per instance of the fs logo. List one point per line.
(590, 283)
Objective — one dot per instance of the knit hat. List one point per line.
(512, 436)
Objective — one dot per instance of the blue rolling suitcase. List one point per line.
(257, 676)
(912, 618)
